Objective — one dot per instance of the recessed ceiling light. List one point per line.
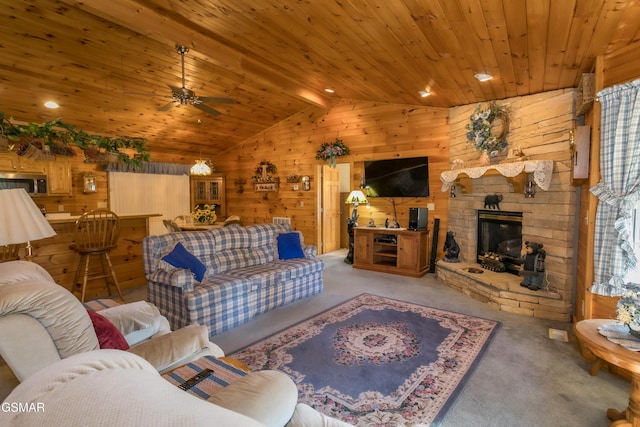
(483, 77)
(424, 93)
(51, 104)
(329, 90)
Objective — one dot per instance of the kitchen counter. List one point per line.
(53, 219)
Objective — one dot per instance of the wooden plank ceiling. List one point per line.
(108, 62)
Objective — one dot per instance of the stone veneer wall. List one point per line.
(540, 125)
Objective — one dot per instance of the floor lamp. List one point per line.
(21, 220)
(355, 197)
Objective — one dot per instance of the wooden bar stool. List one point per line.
(96, 235)
(10, 252)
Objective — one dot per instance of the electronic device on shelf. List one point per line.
(386, 238)
(418, 219)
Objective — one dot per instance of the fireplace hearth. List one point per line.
(499, 240)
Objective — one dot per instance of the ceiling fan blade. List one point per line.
(207, 109)
(216, 100)
(167, 107)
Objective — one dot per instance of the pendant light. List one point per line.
(200, 168)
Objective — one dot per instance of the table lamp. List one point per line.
(21, 220)
(355, 197)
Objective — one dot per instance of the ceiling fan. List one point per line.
(184, 96)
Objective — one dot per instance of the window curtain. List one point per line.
(618, 189)
(150, 168)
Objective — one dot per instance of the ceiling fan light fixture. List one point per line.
(483, 77)
(424, 93)
(183, 96)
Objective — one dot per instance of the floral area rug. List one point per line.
(375, 361)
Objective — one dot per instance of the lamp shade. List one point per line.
(356, 196)
(21, 219)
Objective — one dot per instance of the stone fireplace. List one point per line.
(548, 218)
(541, 127)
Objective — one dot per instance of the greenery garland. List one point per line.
(58, 136)
(479, 130)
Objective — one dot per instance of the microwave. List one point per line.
(34, 184)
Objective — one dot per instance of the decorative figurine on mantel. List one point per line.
(492, 201)
(532, 265)
(451, 248)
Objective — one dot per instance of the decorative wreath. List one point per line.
(480, 132)
(271, 170)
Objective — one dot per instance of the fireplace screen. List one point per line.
(500, 240)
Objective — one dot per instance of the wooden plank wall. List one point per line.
(371, 130)
(615, 68)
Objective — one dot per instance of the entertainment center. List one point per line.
(391, 250)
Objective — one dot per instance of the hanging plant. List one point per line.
(488, 129)
(331, 150)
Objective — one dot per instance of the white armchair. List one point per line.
(42, 325)
(42, 322)
(114, 388)
(117, 388)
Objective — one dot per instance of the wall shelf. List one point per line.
(542, 171)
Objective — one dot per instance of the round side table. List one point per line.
(600, 346)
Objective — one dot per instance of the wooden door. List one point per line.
(330, 209)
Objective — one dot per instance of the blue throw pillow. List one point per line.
(180, 257)
(289, 246)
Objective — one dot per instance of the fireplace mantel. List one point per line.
(542, 171)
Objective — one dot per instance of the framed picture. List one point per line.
(89, 184)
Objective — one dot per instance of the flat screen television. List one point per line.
(397, 177)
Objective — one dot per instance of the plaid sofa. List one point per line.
(244, 277)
